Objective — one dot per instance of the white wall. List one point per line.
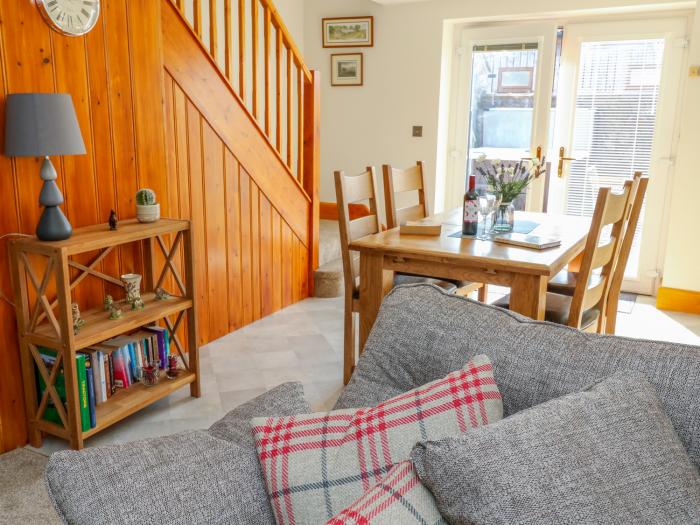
(292, 12)
(371, 125)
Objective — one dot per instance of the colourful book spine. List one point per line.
(132, 362)
(90, 389)
(102, 376)
(83, 392)
(119, 370)
(95, 369)
(110, 376)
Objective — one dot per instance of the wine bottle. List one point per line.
(470, 221)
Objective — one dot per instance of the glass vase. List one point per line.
(504, 221)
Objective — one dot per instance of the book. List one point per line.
(90, 390)
(102, 376)
(48, 356)
(83, 391)
(420, 228)
(161, 338)
(95, 361)
(523, 240)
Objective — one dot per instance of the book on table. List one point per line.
(523, 240)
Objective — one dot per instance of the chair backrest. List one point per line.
(401, 181)
(636, 204)
(611, 210)
(350, 189)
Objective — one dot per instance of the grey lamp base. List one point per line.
(53, 225)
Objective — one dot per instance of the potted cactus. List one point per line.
(147, 209)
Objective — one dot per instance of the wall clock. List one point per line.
(70, 17)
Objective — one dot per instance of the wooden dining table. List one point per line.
(525, 270)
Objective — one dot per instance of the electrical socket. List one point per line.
(417, 131)
(694, 72)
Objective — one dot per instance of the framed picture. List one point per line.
(347, 70)
(348, 32)
(516, 79)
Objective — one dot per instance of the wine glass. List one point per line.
(487, 207)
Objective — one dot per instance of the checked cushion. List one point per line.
(399, 498)
(316, 465)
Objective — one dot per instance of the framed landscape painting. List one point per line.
(347, 70)
(355, 31)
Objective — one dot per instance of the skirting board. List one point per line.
(678, 300)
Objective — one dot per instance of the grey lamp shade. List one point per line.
(41, 124)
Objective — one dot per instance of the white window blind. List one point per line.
(614, 121)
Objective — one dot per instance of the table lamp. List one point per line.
(42, 125)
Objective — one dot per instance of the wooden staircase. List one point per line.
(242, 119)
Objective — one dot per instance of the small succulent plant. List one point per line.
(145, 197)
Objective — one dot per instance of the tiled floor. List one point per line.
(304, 343)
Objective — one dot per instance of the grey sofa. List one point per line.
(421, 334)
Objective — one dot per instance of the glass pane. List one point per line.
(502, 100)
(614, 122)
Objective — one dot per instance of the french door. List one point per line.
(618, 98)
(598, 100)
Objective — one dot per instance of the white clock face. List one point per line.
(70, 17)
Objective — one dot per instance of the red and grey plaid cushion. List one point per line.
(399, 498)
(315, 465)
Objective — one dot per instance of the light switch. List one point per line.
(417, 131)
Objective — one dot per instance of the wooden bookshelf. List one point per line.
(44, 277)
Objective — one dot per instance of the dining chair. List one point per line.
(351, 189)
(586, 308)
(565, 281)
(403, 181)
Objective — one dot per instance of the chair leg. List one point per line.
(611, 317)
(484, 293)
(348, 343)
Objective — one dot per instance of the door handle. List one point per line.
(538, 171)
(562, 158)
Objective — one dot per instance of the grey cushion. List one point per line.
(608, 455)
(193, 477)
(422, 334)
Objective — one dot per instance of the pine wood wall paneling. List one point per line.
(194, 141)
(255, 223)
(78, 171)
(122, 138)
(266, 302)
(101, 118)
(215, 213)
(233, 240)
(12, 429)
(245, 185)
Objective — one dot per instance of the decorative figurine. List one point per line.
(108, 303)
(113, 220)
(137, 304)
(115, 313)
(162, 295)
(132, 285)
(78, 321)
(173, 371)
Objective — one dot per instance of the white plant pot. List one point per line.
(148, 212)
